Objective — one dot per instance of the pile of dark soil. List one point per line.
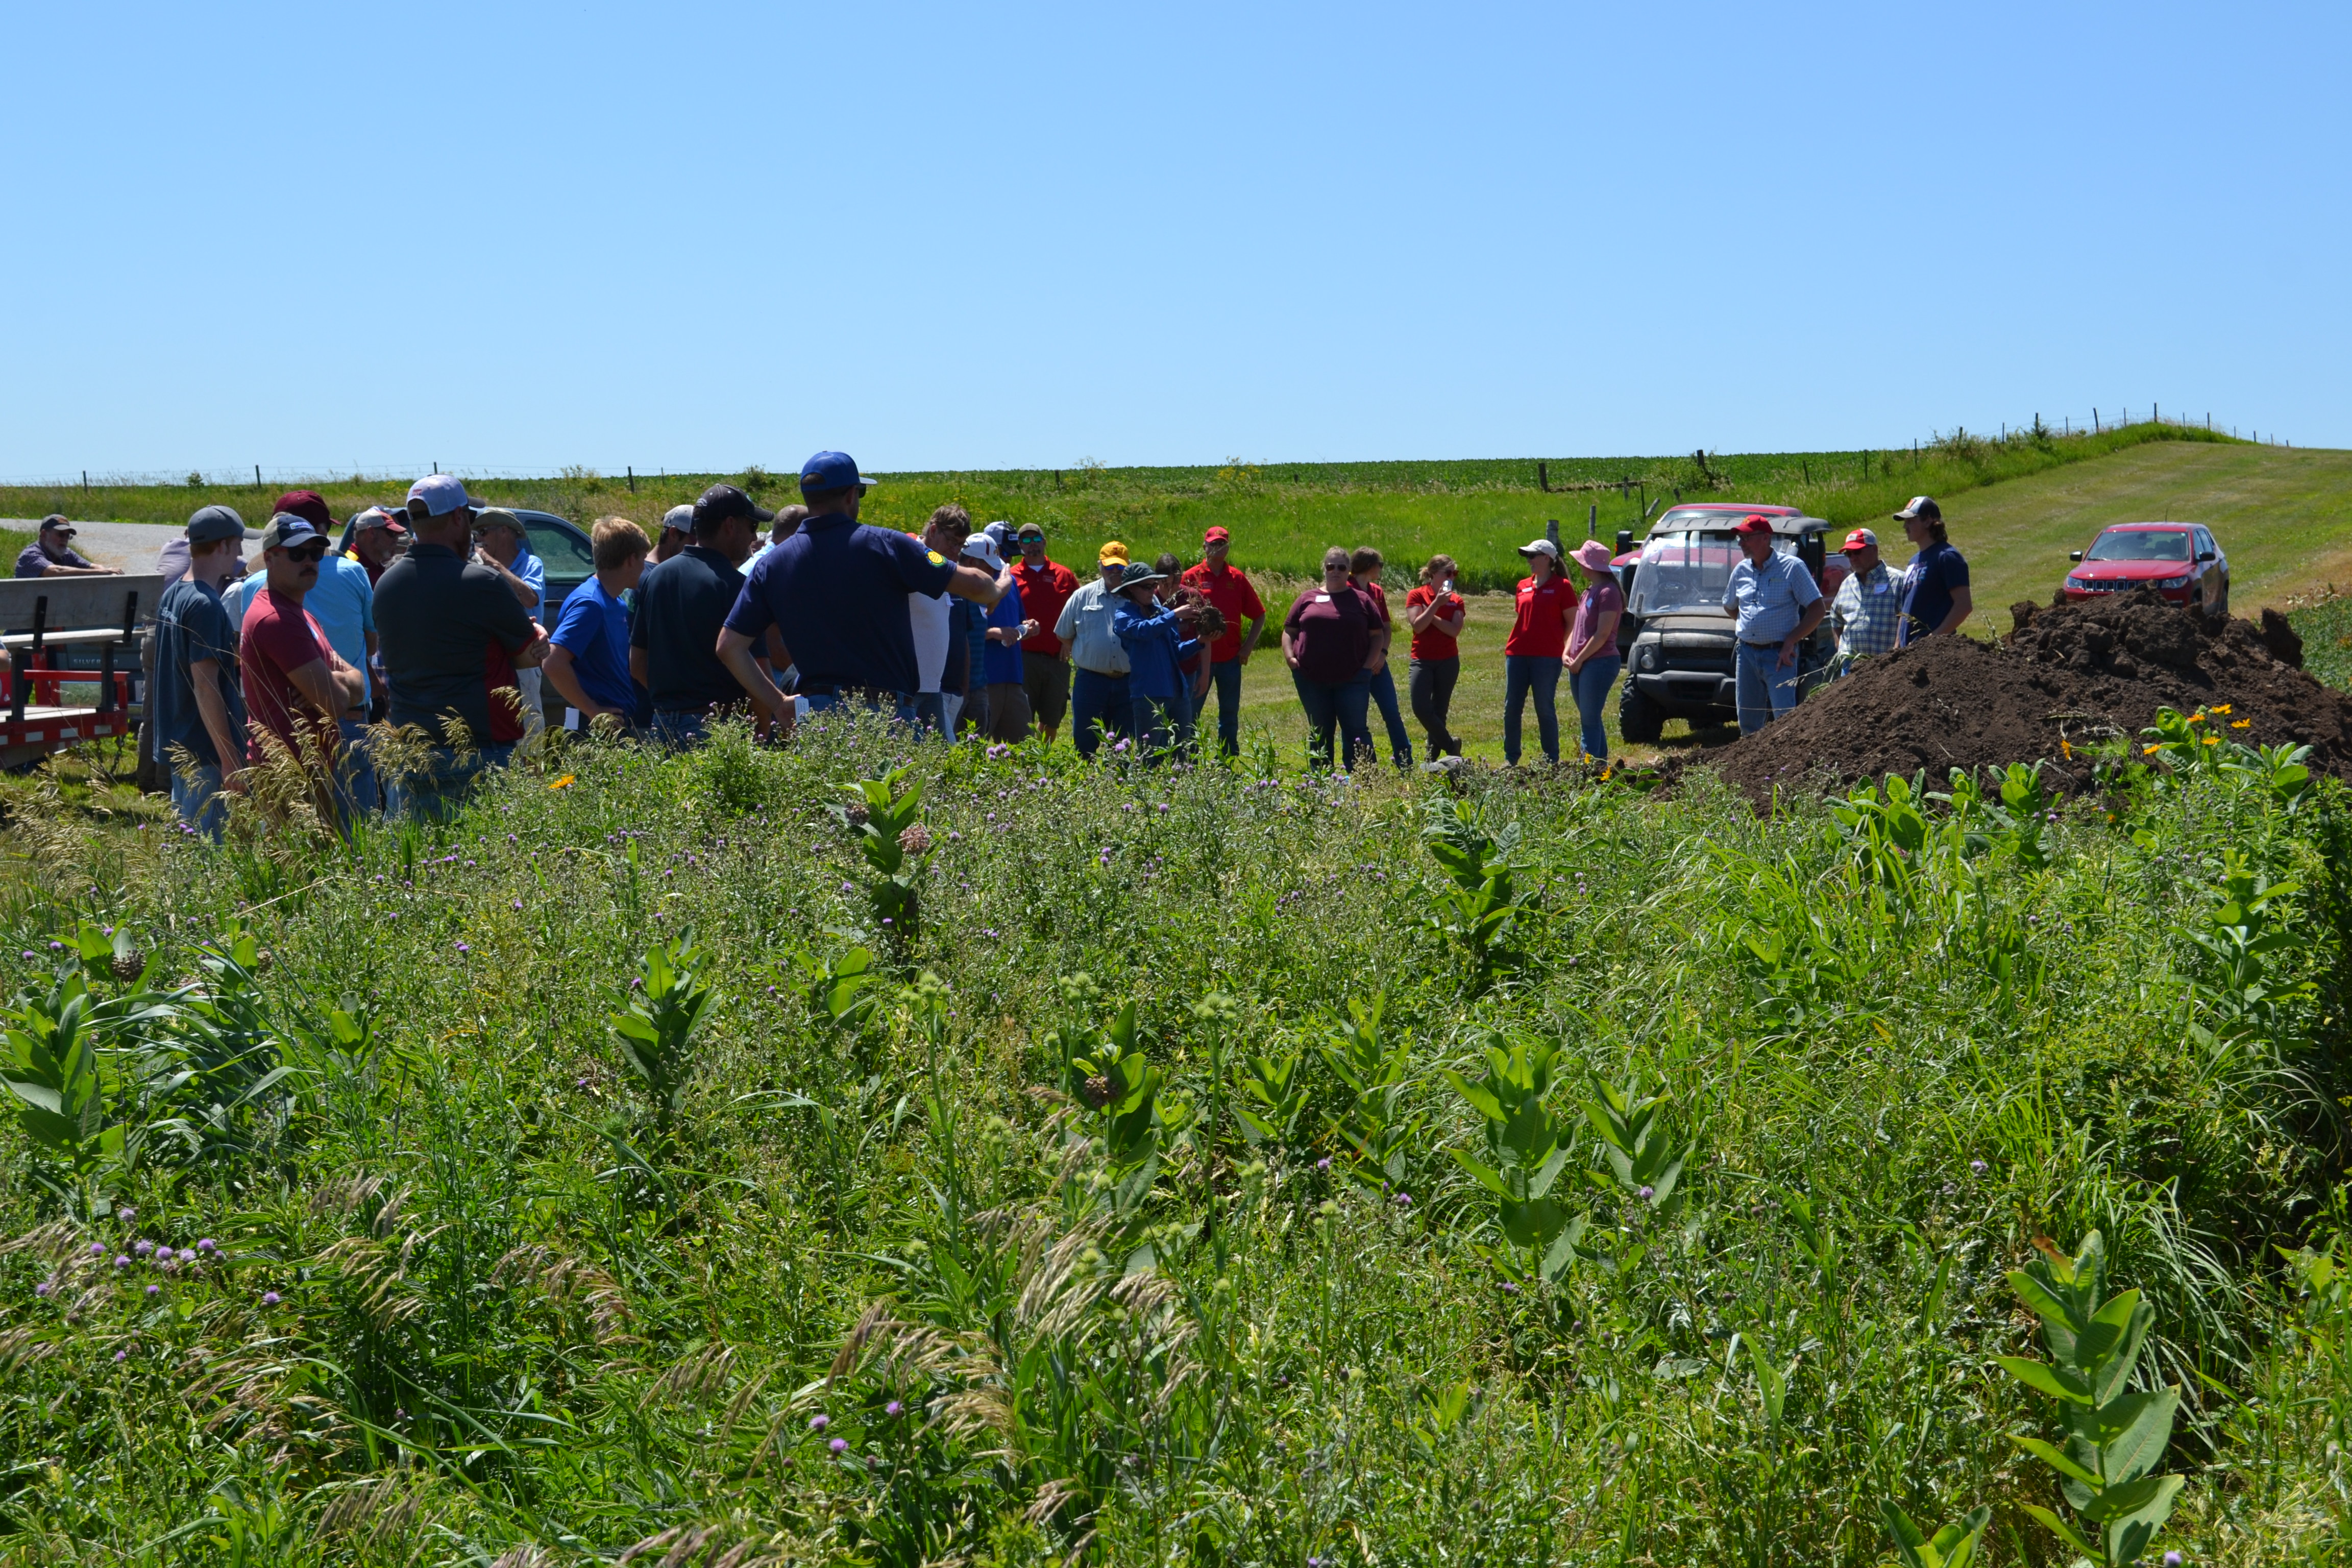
(2072, 673)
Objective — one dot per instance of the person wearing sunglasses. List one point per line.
(297, 687)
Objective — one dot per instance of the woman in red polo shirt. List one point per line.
(1435, 613)
(1533, 653)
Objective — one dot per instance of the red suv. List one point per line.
(2182, 560)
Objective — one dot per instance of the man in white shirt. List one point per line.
(928, 616)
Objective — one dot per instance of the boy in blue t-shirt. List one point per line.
(589, 663)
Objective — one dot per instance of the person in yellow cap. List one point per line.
(1099, 666)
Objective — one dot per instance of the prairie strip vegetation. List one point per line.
(866, 1152)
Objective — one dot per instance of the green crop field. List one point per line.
(1054, 1164)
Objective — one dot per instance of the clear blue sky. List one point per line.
(698, 236)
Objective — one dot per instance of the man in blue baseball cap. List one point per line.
(452, 632)
(836, 593)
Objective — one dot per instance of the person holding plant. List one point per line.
(1156, 644)
(1593, 659)
(1330, 640)
(1098, 693)
(1536, 651)
(1364, 566)
(1435, 613)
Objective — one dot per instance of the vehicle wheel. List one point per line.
(1638, 719)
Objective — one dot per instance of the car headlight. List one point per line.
(1646, 657)
(2172, 581)
(2074, 582)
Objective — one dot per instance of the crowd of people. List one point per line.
(431, 626)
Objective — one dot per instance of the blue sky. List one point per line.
(511, 237)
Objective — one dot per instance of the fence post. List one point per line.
(1543, 478)
(1552, 530)
(633, 481)
(1592, 521)
(257, 476)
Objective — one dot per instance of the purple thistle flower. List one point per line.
(1509, 1289)
(894, 1408)
(269, 1297)
(45, 1288)
(144, 1247)
(122, 1262)
(120, 1356)
(839, 1445)
(1647, 1194)
(1324, 1163)
(126, 1214)
(56, 947)
(206, 1244)
(155, 1290)
(517, 903)
(97, 1249)
(29, 955)
(2172, 1559)
(819, 1422)
(1978, 1167)
(464, 948)
(187, 1254)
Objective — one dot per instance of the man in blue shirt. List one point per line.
(1935, 590)
(589, 664)
(1777, 605)
(197, 702)
(836, 592)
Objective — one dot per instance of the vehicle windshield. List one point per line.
(2133, 544)
(1689, 570)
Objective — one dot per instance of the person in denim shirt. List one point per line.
(1777, 604)
(1156, 644)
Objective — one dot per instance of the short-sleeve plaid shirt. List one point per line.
(1865, 614)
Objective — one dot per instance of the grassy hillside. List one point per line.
(1283, 515)
(1115, 1211)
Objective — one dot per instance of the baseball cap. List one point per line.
(442, 494)
(999, 531)
(830, 471)
(1109, 552)
(1030, 530)
(1216, 535)
(497, 516)
(1540, 547)
(719, 502)
(376, 517)
(286, 529)
(679, 517)
(57, 522)
(1921, 507)
(1754, 522)
(1860, 539)
(309, 506)
(983, 549)
(211, 522)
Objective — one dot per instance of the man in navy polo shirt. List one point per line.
(836, 592)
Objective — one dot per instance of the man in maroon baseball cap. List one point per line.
(1777, 604)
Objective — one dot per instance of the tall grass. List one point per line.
(959, 1247)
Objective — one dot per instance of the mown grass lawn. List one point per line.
(1111, 1203)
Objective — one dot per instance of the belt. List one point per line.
(1105, 674)
(1765, 647)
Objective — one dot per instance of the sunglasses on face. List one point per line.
(312, 554)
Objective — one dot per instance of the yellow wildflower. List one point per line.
(2239, 723)
(2150, 750)
(2224, 709)
(2198, 716)
(563, 783)
(2212, 740)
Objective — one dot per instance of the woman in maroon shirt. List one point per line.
(1329, 638)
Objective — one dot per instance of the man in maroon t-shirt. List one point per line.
(1045, 586)
(295, 683)
(1244, 615)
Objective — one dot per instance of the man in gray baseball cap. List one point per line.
(52, 553)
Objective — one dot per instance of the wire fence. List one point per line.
(2105, 418)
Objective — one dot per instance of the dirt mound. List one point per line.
(2067, 673)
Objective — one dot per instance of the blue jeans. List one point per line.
(1765, 689)
(360, 790)
(1158, 723)
(439, 792)
(1096, 700)
(201, 805)
(1226, 680)
(680, 731)
(931, 714)
(1525, 673)
(1384, 696)
(1590, 686)
(1344, 705)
